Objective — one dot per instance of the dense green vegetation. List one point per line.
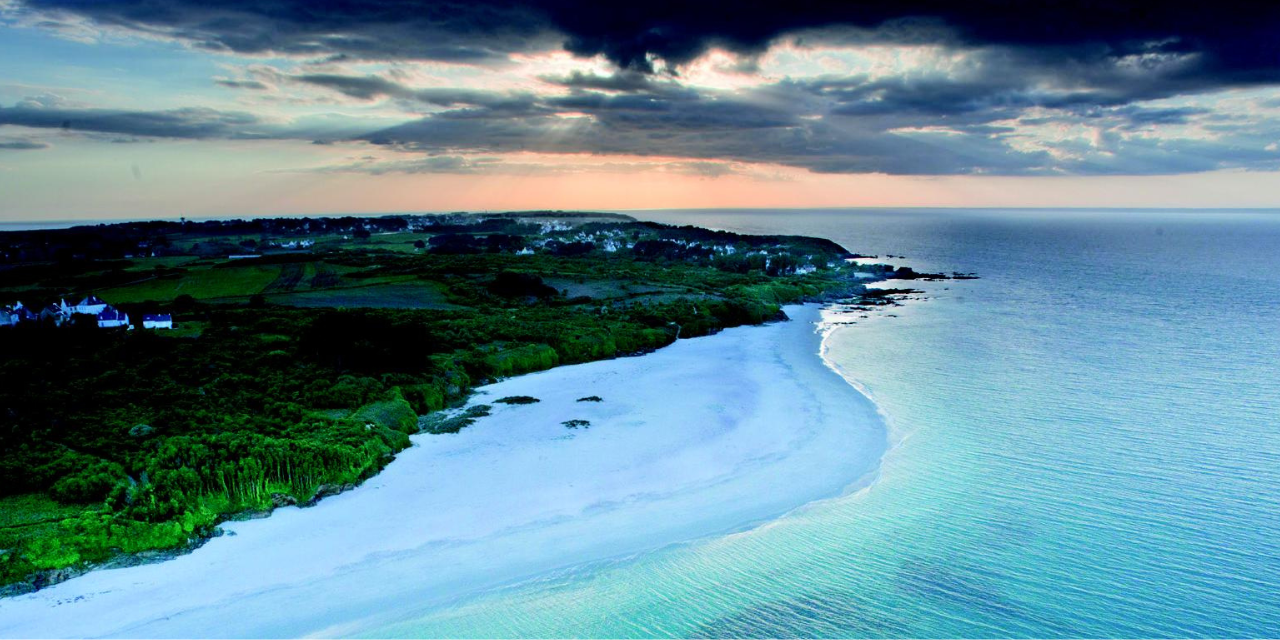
(293, 376)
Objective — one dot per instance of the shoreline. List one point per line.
(685, 445)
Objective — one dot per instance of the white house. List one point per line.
(18, 313)
(56, 313)
(59, 313)
(157, 321)
(110, 317)
(92, 305)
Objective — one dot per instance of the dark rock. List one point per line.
(326, 490)
(282, 500)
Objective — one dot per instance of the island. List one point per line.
(161, 378)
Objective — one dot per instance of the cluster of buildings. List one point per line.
(608, 241)
(611, 241)
(292, 244)
(107, 316)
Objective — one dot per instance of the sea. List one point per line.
(1086, 442)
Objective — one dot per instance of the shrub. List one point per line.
(393, 413)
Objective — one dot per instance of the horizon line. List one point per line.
(64, 223)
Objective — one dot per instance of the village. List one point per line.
(59, 313)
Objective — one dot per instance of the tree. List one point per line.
(509, 284)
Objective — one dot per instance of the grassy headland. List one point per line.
(301, 371)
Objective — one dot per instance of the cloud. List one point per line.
(454, 32)
(450, 164)
(22, 145)
(1020, 88)
(508, 165)
(958, 122)
(371, 87)
(921, 126)
(992, 115)
(366, 88)
(253, 85)
(623, 81)
(1233, 40)
(695, 133)
(195, 122)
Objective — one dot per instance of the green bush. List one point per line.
(392, 413)
(90, 483)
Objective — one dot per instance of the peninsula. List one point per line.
(298, 355)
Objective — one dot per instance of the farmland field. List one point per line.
(201, 284)
(406, 295)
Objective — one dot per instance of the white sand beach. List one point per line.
(707, 436)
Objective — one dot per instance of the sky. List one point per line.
(162, 108)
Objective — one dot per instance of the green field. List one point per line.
(402, 242)
(607, 288)
(238, 280)
(407, 295)
(202, 283)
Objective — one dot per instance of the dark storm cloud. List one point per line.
(1235, 40)
(454, 31)
(997, 85)
(699, 130)
(645, 104)
(1095, 69)
(824, 146)
(931, 126)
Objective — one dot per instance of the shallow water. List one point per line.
(1089, 446)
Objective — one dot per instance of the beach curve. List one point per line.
(707, 436)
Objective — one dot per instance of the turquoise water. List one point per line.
(1089, 445)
